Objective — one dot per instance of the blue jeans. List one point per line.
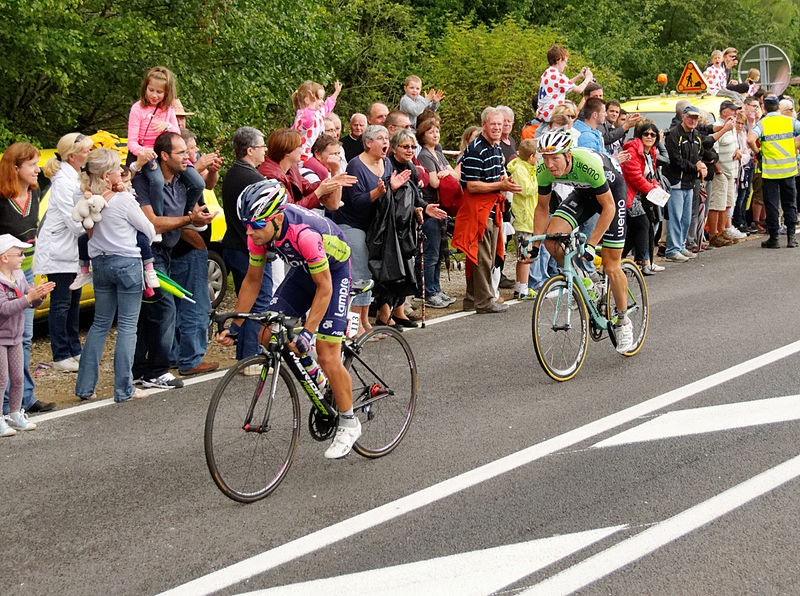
(156, 326)
(27, 337)
(191, 321)
(679, 208)
(431, 256)
(542, 269)
(238, 262)
(359, 261)
(64, 317)
(155, 177)
(587, 228)
(117, 289)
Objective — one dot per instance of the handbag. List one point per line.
(450, 195)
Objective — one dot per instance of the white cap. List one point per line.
(7, 242)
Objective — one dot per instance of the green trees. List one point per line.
(77, 64)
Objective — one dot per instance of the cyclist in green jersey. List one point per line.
(597, 187)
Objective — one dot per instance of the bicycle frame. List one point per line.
(573, 243)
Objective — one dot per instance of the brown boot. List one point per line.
(730, 239)
(717, 241)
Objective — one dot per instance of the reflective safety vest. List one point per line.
(778, 154)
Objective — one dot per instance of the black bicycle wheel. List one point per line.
(638, 304)
(384, 376)
(247, 465)
(560, 347)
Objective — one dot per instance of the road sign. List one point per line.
(692, 80)
(772, 62)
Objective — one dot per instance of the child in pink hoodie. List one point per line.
(15, 297)
(311, 109)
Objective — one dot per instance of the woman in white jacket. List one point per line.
(56, 253)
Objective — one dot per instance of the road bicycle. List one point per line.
(253, 421)
(566, 313)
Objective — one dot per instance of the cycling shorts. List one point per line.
(295, 295)
(581, 204)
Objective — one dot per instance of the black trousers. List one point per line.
(783, 190)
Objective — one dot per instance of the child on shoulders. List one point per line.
(413, 104)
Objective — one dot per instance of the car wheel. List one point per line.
(217, 278)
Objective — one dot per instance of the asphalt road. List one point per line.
(506, 481)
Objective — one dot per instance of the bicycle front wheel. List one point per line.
(560, 345)
(638, 304)
(250, 435)
(384, 375)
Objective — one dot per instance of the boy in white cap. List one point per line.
(15, 297)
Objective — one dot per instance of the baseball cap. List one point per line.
(729, 105)
(691, 111)
(7, 242)
(771, 101)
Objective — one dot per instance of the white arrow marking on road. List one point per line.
(299, 547)
(634, 548)
(710, 419)
(475, 573)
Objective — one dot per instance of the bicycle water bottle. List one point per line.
(589, 285)
(314, 370)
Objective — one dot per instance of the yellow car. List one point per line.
(661, 108)
(217, 271)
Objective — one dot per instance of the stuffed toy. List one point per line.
(87, 210)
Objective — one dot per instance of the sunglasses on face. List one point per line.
(256, 224)
(649, 134)
(406, 147)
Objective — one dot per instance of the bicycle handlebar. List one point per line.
(265, 318)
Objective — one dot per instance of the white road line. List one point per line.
(474, 573)
(623, 553)
(94, 404)
(710, 419)
(309, 543)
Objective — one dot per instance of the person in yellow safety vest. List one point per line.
(779, 137)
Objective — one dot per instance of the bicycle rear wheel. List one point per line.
(247, 465)
(560, 348)
(638, 304)
(384, 376)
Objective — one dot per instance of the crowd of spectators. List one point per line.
(388, 184)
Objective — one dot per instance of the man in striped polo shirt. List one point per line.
(477, 226)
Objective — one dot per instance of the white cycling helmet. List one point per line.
(555, 141)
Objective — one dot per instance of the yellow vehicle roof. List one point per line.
(661, 108)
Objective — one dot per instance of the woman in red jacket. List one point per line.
(284, 148)
(639, 174)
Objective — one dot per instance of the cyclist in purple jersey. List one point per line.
(318, 283)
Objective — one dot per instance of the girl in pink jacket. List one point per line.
(311, 109)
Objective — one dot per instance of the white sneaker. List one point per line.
(19, 421)
(5, 429)
(656, 268)
(624, 337)
(151, 278)
(66, 365)
(734, 233)
(253, 370)
(343, 441)
(678, 258)
(81, 280)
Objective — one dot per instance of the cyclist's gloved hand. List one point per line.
(303, 341)
(233, 330)
(589, 253)
(533, 252)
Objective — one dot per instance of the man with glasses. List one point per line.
(157, 318)
(730, 58)
(249, 149)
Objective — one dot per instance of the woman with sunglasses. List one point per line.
(639, 172)
(57, 248)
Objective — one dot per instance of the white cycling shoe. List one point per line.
(624, 337)
(343, 441)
